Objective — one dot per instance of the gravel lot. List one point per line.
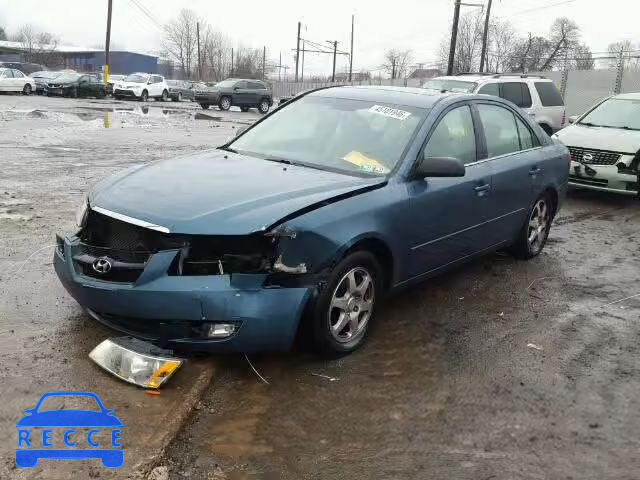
(501, 369)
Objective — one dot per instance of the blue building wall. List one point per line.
(120, 62)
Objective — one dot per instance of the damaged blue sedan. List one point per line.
(308, 218)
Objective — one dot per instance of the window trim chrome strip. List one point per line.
(133, 221)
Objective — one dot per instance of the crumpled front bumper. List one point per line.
(604, 178)
(168, 309)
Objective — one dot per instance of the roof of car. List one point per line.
(628, 96)
(414, 97)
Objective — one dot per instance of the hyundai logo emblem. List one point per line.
(587, 157)
(102, 266)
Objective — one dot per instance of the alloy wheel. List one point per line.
(351, 305)
(226, 104)
(538, 226)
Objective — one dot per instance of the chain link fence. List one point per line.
(287, 88)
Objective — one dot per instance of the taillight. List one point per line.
(564, 118)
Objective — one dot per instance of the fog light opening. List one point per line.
(220, 330)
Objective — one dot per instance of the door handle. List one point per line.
(535, 171)
(482, 189)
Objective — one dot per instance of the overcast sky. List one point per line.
(419, 25)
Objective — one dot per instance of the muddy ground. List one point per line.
(501, 369)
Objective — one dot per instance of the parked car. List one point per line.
(76, 85)
(243, 93)
(12, 80)
(26, 68)
(180, 90)
(142, 86)
(309, 216)
(605, 145)
(538, 96)
(112, 80)
(42, 78)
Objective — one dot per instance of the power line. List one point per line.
(542, 7)
(147, 14)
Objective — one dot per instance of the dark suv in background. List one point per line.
(243, 93)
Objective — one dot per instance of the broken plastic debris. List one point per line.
(535, 347)
(281, 267)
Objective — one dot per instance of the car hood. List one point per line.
(130, 85)
(217, 192)
(69, 418)
(600, 138)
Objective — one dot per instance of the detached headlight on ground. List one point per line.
(135, 361)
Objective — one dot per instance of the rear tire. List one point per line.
(74, 92)
(205, 106)
(27, 89)
(342, 313)
(534, 233)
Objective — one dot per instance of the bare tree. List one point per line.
(39, 47)
(3, 34)
(396, 62)
(627, 47)
(216, 54)
(180, 40)
(564, 33)
(581, 58)
(501, 43)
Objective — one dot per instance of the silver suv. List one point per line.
(536, 95)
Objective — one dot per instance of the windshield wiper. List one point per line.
(589, 124)
(627, 127)
(280, 160)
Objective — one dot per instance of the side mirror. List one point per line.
(235, 89)
(573, 118)
(439, 167)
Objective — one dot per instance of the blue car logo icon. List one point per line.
(32, 446)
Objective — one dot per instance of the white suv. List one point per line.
(536, 95)
(142, 86)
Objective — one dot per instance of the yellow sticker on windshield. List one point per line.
(365, 163)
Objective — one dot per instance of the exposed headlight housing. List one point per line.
(136, 361)
(82, 212)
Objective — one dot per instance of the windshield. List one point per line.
(615, 113)
(449, 85)
(136, 78)
(67, 77)
(353, 136)
(226, 84)
(45, 74)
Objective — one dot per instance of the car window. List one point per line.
(18, 74)
(355, 136)
(240, 84)
(449, 85)
(516, 92)
(549, 94)
(500, 130)
(156, 79)
(527, 138)
(256, 85)
(454, 137)
(490, 89)
(6, 74)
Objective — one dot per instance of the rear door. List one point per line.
(551, 110)
(19, 80)
(514, 154)
(449, 214)
(6, 80)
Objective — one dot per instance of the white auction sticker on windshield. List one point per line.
(390, 112)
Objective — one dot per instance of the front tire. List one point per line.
(534, 233)
(144, 96)
(343, 311)
(27, 89)
(225, 103)
(263, 107)
(165, 96)
(179, 99)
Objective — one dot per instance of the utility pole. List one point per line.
(199, 58)
(302, 67)
(335, 49)
(264, 56)
(231, 72)
(351, 54)
(485, 37)
(107, 42)
(454, 36)
(298, 50)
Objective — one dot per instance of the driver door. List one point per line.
(449, 215)
(240, 95)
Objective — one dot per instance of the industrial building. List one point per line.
(78, 58)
